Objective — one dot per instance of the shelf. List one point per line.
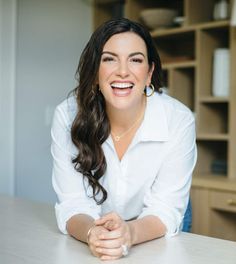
(157, 33)
(213, 99)
(211, 181)
(176, 48)
(205, 136)
(210, 152)
(134, 7)
(208, 42)
(183, 80)
(213, 24)
(180, 64)
(213, 118)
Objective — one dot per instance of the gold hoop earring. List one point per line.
(151, 86)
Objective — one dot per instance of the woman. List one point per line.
(123, 151)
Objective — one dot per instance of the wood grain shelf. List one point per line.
(213, 137)
(213, 181)
(213, 99)
(158, 33)
(180, 64)
(214, 24)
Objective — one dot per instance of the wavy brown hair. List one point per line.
(91, 126)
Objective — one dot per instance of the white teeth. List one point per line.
(122, 85)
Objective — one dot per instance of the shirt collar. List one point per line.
(155, 125)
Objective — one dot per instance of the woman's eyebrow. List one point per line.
(130, 55)
(110, 53)
(136, 53)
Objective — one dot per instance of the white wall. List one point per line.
(7, 94)
(50, 37)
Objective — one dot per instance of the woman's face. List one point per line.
(124, 71)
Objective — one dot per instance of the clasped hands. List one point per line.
(110, 237)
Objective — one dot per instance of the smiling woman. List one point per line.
(123, 160)
(124, 68)
(123, 73)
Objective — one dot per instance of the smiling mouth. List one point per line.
(120, 85)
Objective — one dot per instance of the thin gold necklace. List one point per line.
(118, 137)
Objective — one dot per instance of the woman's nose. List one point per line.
(123, 69)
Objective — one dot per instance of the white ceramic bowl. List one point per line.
(158, 17)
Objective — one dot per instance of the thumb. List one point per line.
(111, 225)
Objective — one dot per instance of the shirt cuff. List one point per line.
(65, 212)
(171, 220)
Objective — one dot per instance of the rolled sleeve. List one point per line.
(169, 195)
(67, 182)
(65, 210)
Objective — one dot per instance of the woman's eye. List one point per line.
(107, 59)
(138, 60)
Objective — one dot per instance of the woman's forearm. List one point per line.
(145, 229)
(78, 226)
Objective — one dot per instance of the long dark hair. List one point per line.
(91, 126)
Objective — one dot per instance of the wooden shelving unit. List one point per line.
(187, 58)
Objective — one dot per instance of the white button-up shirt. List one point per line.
(153, 177)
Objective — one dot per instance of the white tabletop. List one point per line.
(29, 235)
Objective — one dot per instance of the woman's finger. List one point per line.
(93, 239)
(96, 232)
(111, 225)
(116, 252)
(105, 257)
(111, 235)
(113, 243)
(108, 217)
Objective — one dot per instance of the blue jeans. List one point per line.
(187, 222)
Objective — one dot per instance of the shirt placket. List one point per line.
(122, 185)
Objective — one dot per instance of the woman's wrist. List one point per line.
(132, 233)
(89, 233)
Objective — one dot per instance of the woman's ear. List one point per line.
(150, 73)
(152, 67)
